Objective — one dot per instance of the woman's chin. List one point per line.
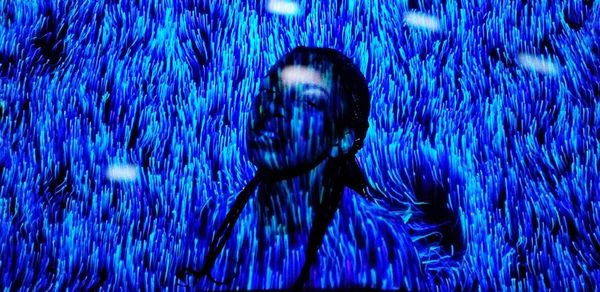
(269, 165)
(265, 160)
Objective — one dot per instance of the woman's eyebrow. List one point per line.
(313, 88)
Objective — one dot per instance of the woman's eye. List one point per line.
(312, 104)
(267, 90)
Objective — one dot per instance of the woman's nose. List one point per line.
(276, 109)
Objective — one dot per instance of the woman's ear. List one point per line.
(343, 144)
(347, 141)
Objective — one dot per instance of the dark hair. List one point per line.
(340, 172)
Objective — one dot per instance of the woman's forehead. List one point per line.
(297, 74)
(293, 74)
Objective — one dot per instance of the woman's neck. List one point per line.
(287, 206)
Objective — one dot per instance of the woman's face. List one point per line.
(291, 123)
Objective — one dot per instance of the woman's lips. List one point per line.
(268, 134)
(266, 137)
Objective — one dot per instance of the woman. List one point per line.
(306, 220)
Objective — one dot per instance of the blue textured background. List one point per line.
(166, 85)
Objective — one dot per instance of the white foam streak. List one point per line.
(423, 21)
(283, 7)
(537, 64)
(122, 172)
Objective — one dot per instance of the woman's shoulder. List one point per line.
(372, 219)
(379, 250)
(355, 205)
